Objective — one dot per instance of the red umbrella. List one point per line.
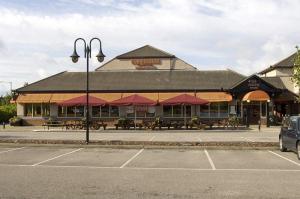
(184, 99)
(133, 100)
(93, 101)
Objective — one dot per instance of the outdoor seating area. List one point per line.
(158, 123)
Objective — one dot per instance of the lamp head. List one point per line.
(100, 56)
(74, 56)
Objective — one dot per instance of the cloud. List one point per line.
(246, 36)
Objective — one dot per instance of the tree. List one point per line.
(7, 110)
(296, 73)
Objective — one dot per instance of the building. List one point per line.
(159, 75)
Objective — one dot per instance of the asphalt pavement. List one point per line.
(91, 172)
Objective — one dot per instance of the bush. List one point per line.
(15, 121)
(7, 111)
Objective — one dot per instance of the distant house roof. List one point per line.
(285, 63)
(146, 51)
(127, 81)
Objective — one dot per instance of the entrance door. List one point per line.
(252, 113)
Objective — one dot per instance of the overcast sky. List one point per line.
(36, 36)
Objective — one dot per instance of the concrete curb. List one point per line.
(147, 144)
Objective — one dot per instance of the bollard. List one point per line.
(3, 125)
(259, 125)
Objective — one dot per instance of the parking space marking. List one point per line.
(128, 161)
(154, 168)
(247, 139)
(12, 150)
(56, 157)
(152, 138)
(213, 167)
(296, 163)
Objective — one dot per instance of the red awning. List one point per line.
(133, 100)
(184, 99)
(93, 101)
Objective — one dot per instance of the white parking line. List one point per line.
(128, 161)
(284, 158)
(56, 157)
(12, 150)
(153, 168)
(213, 167)
(152, 138)
(247, 139)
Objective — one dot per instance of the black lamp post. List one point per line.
(87, 54)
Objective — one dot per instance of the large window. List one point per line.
(263, 109)
(141, 111)
(70, 111)
(223, 109)
(37, 110)
(105, 111)
(167, 111)
(204, 111)
(214, 110)
(177, 111)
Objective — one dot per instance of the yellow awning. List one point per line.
(152, 96)
(60, 97)
(34, 98)
(215, 96)
(165, 96)
(107, 96)
(257, 95)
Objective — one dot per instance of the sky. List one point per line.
(37, 36)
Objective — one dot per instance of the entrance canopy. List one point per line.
(184, 99)
(133, 100)
(77, 101)
(257, 95)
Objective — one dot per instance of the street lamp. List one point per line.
(87, 54)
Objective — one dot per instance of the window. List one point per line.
(150, 111)
(223, 109)
(105, 111)
(79, 111)
(45, 110)
(70, 111)
(37, 110)
(62, 111)
(114, 111)
(167, 111)
(28, 110)
(177, 110)
(188, 111)
(204, 111)
(96, 111)
(214, 109)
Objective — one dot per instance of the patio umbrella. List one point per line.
(184, 99)
(133, 100)
(93, 101)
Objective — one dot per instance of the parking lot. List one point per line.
(31, 172)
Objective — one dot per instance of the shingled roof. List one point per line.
(285, 63)
(146, 51)
(101, 81)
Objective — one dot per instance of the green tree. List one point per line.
(7, 110)
(296, 74)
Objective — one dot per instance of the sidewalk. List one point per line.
(265, 137)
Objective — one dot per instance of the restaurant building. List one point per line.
(158, 75)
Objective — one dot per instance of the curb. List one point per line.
(147, 144)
